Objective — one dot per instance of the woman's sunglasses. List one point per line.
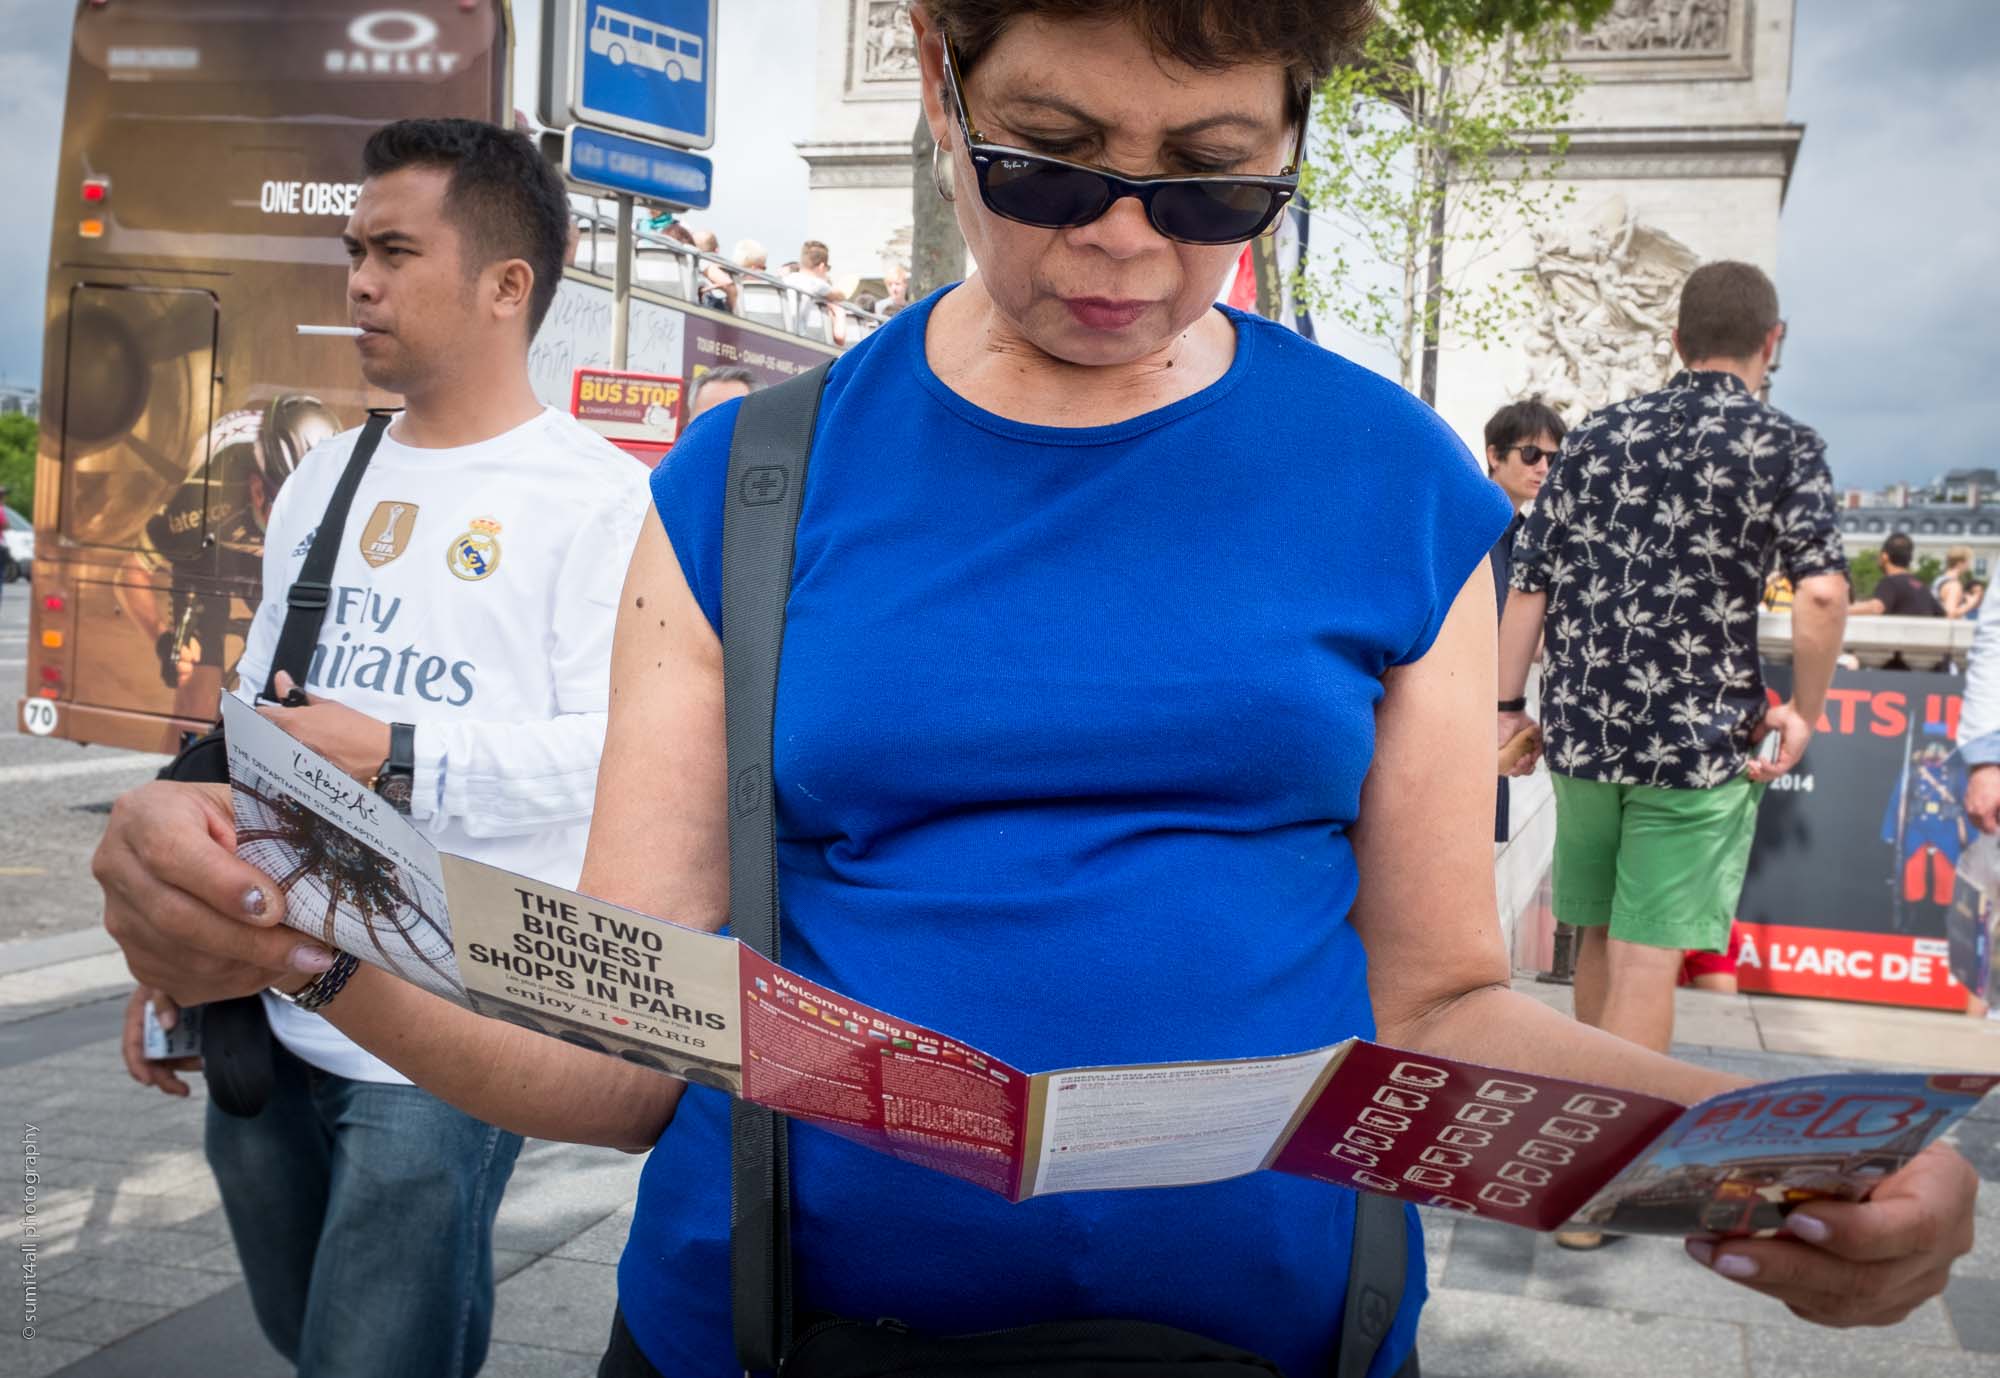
(1055, 194)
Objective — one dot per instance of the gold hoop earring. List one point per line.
(937, 174)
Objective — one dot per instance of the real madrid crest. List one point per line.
(475, 552)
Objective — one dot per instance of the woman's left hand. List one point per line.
(1865, 1263)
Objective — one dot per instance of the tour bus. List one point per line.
(210, 156)
(627, 38)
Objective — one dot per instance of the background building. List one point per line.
(1680, 153)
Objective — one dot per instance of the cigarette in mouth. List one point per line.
(352, 332)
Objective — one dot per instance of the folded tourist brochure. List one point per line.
(1530, 1150)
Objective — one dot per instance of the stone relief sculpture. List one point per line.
(1641, 27)
(1606, 294)
(890, 49)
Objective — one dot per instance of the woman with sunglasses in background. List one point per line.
(1134, 708)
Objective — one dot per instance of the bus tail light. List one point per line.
(91, 229)
(53, 640)
(52, 603)
(95, 189)
(52, 675)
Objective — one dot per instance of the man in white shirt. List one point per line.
(814, 277)
(472, 601)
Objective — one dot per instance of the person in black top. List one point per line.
(1522, 439)
(1900, 593)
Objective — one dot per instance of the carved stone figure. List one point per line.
(891, 43)
(1658, 26)
(1608, 293)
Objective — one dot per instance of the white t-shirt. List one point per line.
(474, 596)
(811, 284)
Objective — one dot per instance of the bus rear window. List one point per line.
(138, 365)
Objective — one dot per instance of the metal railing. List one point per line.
(1874, 641)
(680, 270)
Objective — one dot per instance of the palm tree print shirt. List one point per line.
(1653, 537)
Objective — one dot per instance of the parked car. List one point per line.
(17, 546)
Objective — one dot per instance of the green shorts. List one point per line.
(1662, 867)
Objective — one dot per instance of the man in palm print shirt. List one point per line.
(1643, 563)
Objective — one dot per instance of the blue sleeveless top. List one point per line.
(1071, 726)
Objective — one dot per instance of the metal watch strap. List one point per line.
(767, 477)
(323, 987)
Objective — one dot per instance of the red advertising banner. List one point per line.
(1854, 868)
(1836, 964)
(638, 412)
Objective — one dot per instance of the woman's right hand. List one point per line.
(192, 918)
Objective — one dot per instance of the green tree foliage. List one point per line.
(1864, 572)
(1419, 147)
(17, 461)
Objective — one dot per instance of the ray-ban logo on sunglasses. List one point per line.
(1015, 164)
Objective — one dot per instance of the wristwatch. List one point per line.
(1519, 705)
(399, 772)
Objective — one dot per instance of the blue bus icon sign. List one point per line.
(646, 68)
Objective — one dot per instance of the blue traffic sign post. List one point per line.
(644, 68)
(618, 164)
(633, 84)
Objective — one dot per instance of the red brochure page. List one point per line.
(906, 1091)
(1525, 1149)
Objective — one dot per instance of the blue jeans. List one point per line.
(363, 1214)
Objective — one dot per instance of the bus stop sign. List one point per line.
(645, 68)
(651, 172)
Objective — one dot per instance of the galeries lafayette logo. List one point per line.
(391, 43)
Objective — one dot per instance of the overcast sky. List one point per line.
(1887, 263)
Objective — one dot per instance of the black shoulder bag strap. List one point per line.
(235, 1036)
(306, 600)
(767, 479)
(767, 483)
(1376, 1266)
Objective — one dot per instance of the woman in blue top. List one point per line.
(1135, 707)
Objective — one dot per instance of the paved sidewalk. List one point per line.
(137, 1275)
(136, 1272)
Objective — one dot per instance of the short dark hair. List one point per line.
(1522, 421)
(813, 254)
(1899, 549)
(1309, 37)
(1727, 309)
(730, 374)
(505, 199)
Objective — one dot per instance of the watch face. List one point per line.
(396, 789)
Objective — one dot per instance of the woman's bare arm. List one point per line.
(659, 843)
(1427, 911)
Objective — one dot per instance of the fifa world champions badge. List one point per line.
(475, 552)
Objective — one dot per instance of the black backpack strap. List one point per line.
(306, 600)
(767, 481)
(1376, 1269)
